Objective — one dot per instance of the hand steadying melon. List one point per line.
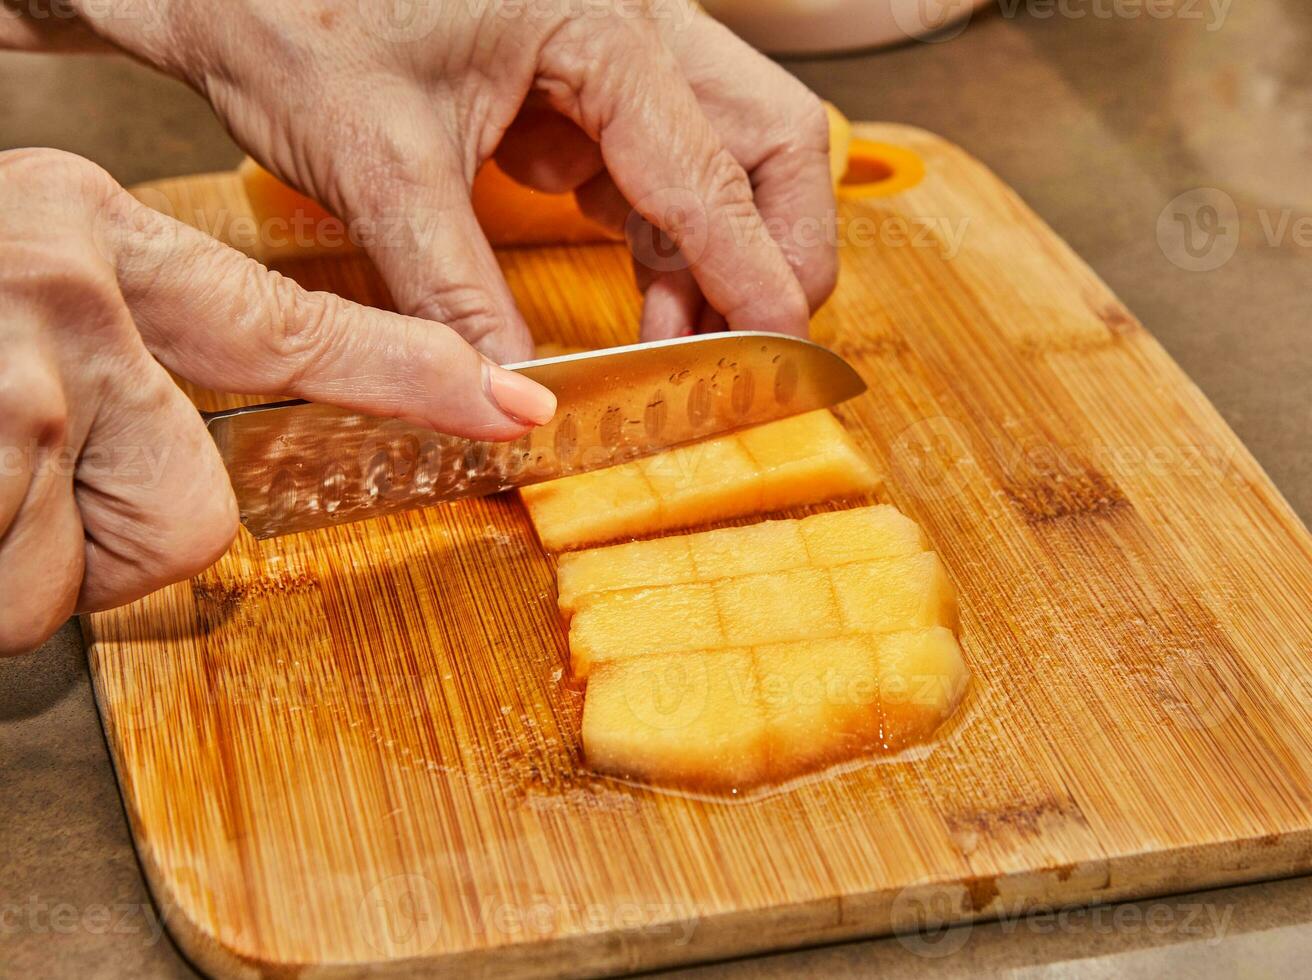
(509, 213)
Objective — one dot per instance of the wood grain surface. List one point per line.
(357, 749)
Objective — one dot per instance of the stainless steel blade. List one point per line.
(296, 466)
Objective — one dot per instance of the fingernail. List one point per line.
(520, 398)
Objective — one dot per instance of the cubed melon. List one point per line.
(922, 679)
(704, 482)
(896, 594)
(694, 720)
(821, 702)
(732, 551)
(634, 623)
(634, 565)
(602, 505)
(712, 480)
(806, 459)
(778, 606)
(863, 534)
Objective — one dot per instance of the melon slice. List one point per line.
(734, 551)
(863, 534)
(922, 678)
(805, 459)
(607, 504)
(712, 480)
(776, 607)
(635, 565)
(896, 594)
(694, 720)
(704, 482)
(641, 622)
(821, 700)
(818, 541)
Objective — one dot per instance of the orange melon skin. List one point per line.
(510, 214)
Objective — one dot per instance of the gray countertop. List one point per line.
(1101, 113)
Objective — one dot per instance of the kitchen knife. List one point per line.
(299, 465)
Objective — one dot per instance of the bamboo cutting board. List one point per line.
(357, 749)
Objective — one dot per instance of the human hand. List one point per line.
(657, 117)
(110, 486)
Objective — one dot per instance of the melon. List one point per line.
(713, 480)
(884, 596)
(693, 720)
(821, 700)
(818, 541)
(921, 679)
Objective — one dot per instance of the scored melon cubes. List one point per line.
(642, 622)
(792, 462)
(896, 594)
(884, 596)
(922, 678)
(613, 503)
(660, 561)
(798, 455)
(733, 718)
(818, 541)
(821, 700)
(692, 720)
(702, 483)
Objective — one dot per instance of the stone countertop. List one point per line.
(1101, 113)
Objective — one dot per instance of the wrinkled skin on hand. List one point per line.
(656, 116)
(110, 486)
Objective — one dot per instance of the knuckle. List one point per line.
(725, 180)
(44, 169)
(34, 411)
(468, 310)
(301, 325)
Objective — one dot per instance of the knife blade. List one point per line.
(297, 466)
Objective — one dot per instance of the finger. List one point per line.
(672, 305)
(224, 321)
(430, 249)
(152, 490)
(601, 201)
(40, 533)
(781, 140)
(544, 150)
(683, 180)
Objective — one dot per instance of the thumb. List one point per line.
(222, 320)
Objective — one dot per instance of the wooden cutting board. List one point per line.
(357, 748)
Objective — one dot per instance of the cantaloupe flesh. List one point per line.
(708, 481)
(922, 678)
(907, 593)
(796, 455)
(821, 700)
(889, 595)
(693, 721)
(817, 541)
(617, 502)
(734, 718)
